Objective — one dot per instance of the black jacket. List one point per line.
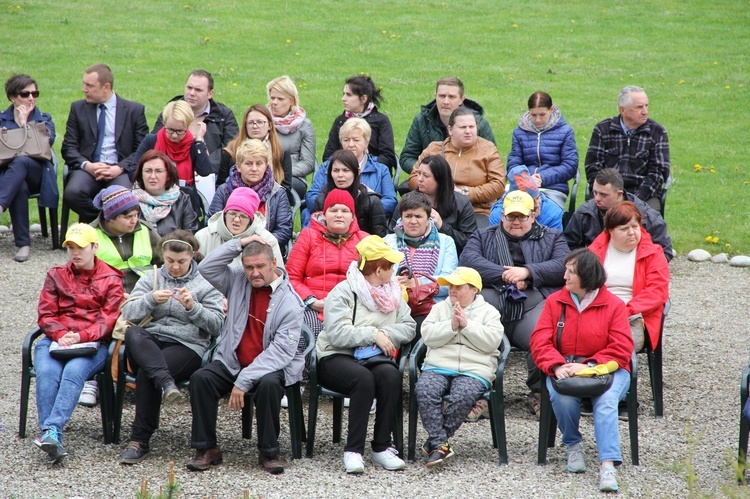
(381, 139)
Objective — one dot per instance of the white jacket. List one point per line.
(216, 233)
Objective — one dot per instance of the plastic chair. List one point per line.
(316, 390)
(744, 427)
(665, 189)
(65, 210)
(548, 421)
(494, 395)
(572, 199)
(655, 366)
(27, 372)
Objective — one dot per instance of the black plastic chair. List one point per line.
(656, 367)
(548, 421)
(494, 395)
(27, 372)
(744, 427)
(572, 199)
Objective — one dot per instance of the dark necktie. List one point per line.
(101, 126)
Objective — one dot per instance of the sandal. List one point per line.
(481, 410)
(534, 400)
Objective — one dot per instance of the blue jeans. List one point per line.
(606, 429)
(59, 383)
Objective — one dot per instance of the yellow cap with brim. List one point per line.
(374, 248)
(518, 202)
(81, 235)
(462, 275)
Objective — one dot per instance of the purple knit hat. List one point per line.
(115, 200)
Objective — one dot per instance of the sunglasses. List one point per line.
(25, 93)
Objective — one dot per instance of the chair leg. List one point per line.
(338, 416)
(247, 417)
(655, 366)
(547, 428)
(632, 402)
(398, 428)
(497, 417)
(413, 416)
(295, 427)
(24, 410)
(105, 401)
(312, 418)
(54, 228)
(42, 220)
(64, 219)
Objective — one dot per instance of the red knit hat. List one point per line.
(339, 196)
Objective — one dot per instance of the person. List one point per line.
(452, 212)
(462, 336)
(586, 223)
(253, 170)
(361, 99)
(521, 264)
(635, 145)
(239, 219)
(220, 123)
(605, 342)
(343, 173)
(546, 145)
(294, 130)
(425, 250)
(256, 352)
(431, 124)
(258, 124)
(176, 139)
(102, 134)
(79, 303)
(547, 212)
(363, 310)
(476, 165)
(187, 312)
(156, 186)
(24, 175)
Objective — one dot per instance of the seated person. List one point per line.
(462, 336)
(186, 313)
(79, 303)
(176, 140)
(521, 264)
(239, 219)
(156, 186)
(546, 145)
(253, 170)
(546, 211)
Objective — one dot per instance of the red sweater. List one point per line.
(251, 344)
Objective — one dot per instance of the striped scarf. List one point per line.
(427, 250)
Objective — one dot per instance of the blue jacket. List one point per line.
(549, 214)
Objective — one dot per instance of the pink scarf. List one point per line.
(366, 112)
(289, 123)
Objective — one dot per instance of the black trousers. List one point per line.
(363, 384)
(211, 383)
(81, 190)
(154, 363)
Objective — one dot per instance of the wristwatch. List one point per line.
(310, 300)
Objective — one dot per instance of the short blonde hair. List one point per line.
(251, 148)
(286, 86)
(178, 110)
(355, 124)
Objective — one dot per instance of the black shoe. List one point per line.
(170, 393)
(439, 454)
(134, 453)
(426, 449)
(587, 408)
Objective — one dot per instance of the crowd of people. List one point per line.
(470, 252)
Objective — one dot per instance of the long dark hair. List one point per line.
(445, 201)
(349, 160)
(363, 85)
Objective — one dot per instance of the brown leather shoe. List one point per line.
(272, 464)
(204, 458)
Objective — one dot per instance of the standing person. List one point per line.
(102, 135)
(635, 145)
(79, 303)
(257, 350)
(361, 99)
(23, 175)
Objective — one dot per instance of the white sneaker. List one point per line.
(89, 394)
(388, 459)
(354, 463)
(285, 401)
(374, 406)
(346, 401)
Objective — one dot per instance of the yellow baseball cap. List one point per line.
(81, 235)
(373, 248)
(462, 275)
(518, 202)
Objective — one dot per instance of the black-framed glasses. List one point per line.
(513, 218)
(25, 93)
(175, 131)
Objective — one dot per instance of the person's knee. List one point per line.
(133, 337)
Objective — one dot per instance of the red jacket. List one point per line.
(84, 301)
(600, 333)
(650, 281)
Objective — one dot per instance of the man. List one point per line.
(256, 351)
(102, 134)
(588, 220)
(221, 125)
(635, 145)
(431, 124)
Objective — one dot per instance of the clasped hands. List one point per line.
(568, 370)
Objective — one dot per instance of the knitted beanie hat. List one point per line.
(339, 196)
(245, 200)
(115, 200)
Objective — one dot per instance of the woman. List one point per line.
(186, 313)
(547, 212)
(361, 100)
(79, 303)
(24, 175)
(425, 250)
(187, 151)
(364, 310)
(239, 219)
(258, 125)
(294, 130)
(605, 341)
(343, 173)
(253, 170)
(452, 212)
(477, 167)
(157, 189)
(546, 145)
(462, 336)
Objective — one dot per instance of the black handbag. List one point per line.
(87, 349)
(579, 386)
(374, 359)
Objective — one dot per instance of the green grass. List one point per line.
(691, 57)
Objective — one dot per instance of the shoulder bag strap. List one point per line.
(560, 326)
(354, 311)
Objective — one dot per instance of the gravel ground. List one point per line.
(706, 350)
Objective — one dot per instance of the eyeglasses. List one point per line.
(174, 131)
(256, 124)
(513, 218)
(148, 173)
(231, 215)
(25, 93)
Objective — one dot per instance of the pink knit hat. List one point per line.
(245, 200)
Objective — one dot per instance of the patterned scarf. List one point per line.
(366, 112)
(156, 208)
(427, 249)
(526, 124)
(338, 239)
(262, 188)
(178, 152)
(384, 298)
(289, 123)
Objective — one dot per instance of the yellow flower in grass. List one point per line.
(714, 239)
(726, 87)
(708, 239)
(515, 26)
(288, 40)
(681, 82)
(383, 32)
(712, 169)
(697, 167)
